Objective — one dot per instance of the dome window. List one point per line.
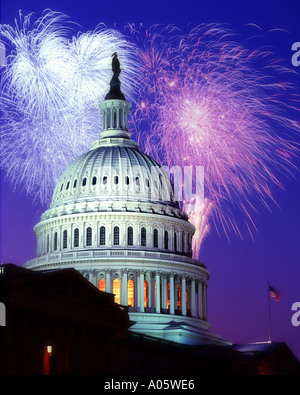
(143, 237)
(104, 180)
(84, 182)
(116, 236)
(65, 239)
(116, 180)
(68, 184)
(166, 240)
(89, 236)
(61, 188)
(147, 182)
(102, 236)
(75, 183)
(155, 238)
(130, 236)
(76, 237)
(126, 180)
(175, 241)
(101, 285)
(94, 180)
(137, 181)
(55, 241)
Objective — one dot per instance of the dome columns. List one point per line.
(115, 118)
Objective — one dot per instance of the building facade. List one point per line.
(114, 218)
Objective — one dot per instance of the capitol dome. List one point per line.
(114, 218)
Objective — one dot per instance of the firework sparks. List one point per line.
(51, 90)
(204, 104)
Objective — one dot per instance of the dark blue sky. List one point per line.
(240, 269)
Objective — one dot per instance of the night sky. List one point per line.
(240, 268)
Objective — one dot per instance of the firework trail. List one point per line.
(50, 94)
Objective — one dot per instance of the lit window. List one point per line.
(145, 293)
(116, 235)
(130, 293)
(116, 290)
(178, 297)
(168, 295)
(65, 239)
(101, 285)
(130, 236)
(102, 236)
(143, 237)
(166, 240)
(89, 236)
(76, 237)
(155, 238)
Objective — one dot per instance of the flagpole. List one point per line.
(269, 312)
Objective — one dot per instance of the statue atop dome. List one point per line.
(115, 84)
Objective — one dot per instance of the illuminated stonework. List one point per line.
(114, 218)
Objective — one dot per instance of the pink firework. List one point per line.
(203, 103)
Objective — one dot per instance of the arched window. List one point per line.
(104, 180)
(182, 242)
(137, 181)
(116, 290)
(94, 180)
(130, 236)
(116, 236)
(102, 235)
(130, 293)
(65, 239)
(155, 238)
(84, 182)
(115, 118)
(121, 118)
(166, 240)
(175, 241)
(108, 118)
(126, 180)
(143, 237)
(76, 237)
(168, 295)
(75, 183)
(101, 285)
(68, 184)
(116, 180)
(89, 236)
(55, 242)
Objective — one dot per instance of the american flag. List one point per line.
(274, 293)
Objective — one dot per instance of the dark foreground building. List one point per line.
(59, 323)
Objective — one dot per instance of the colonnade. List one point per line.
(154, 291)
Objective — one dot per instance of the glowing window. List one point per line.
(130, 293)
(143, 237)
(76, 237)
(101, 285)
(89, 236)
(145, 293)
(116, 235)
(178, 297)
(155, 238)
(65, 239)
(102, 236)
(116, 290)
(55, 241)
(168, 295)
(130, 236)
(166, 240)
